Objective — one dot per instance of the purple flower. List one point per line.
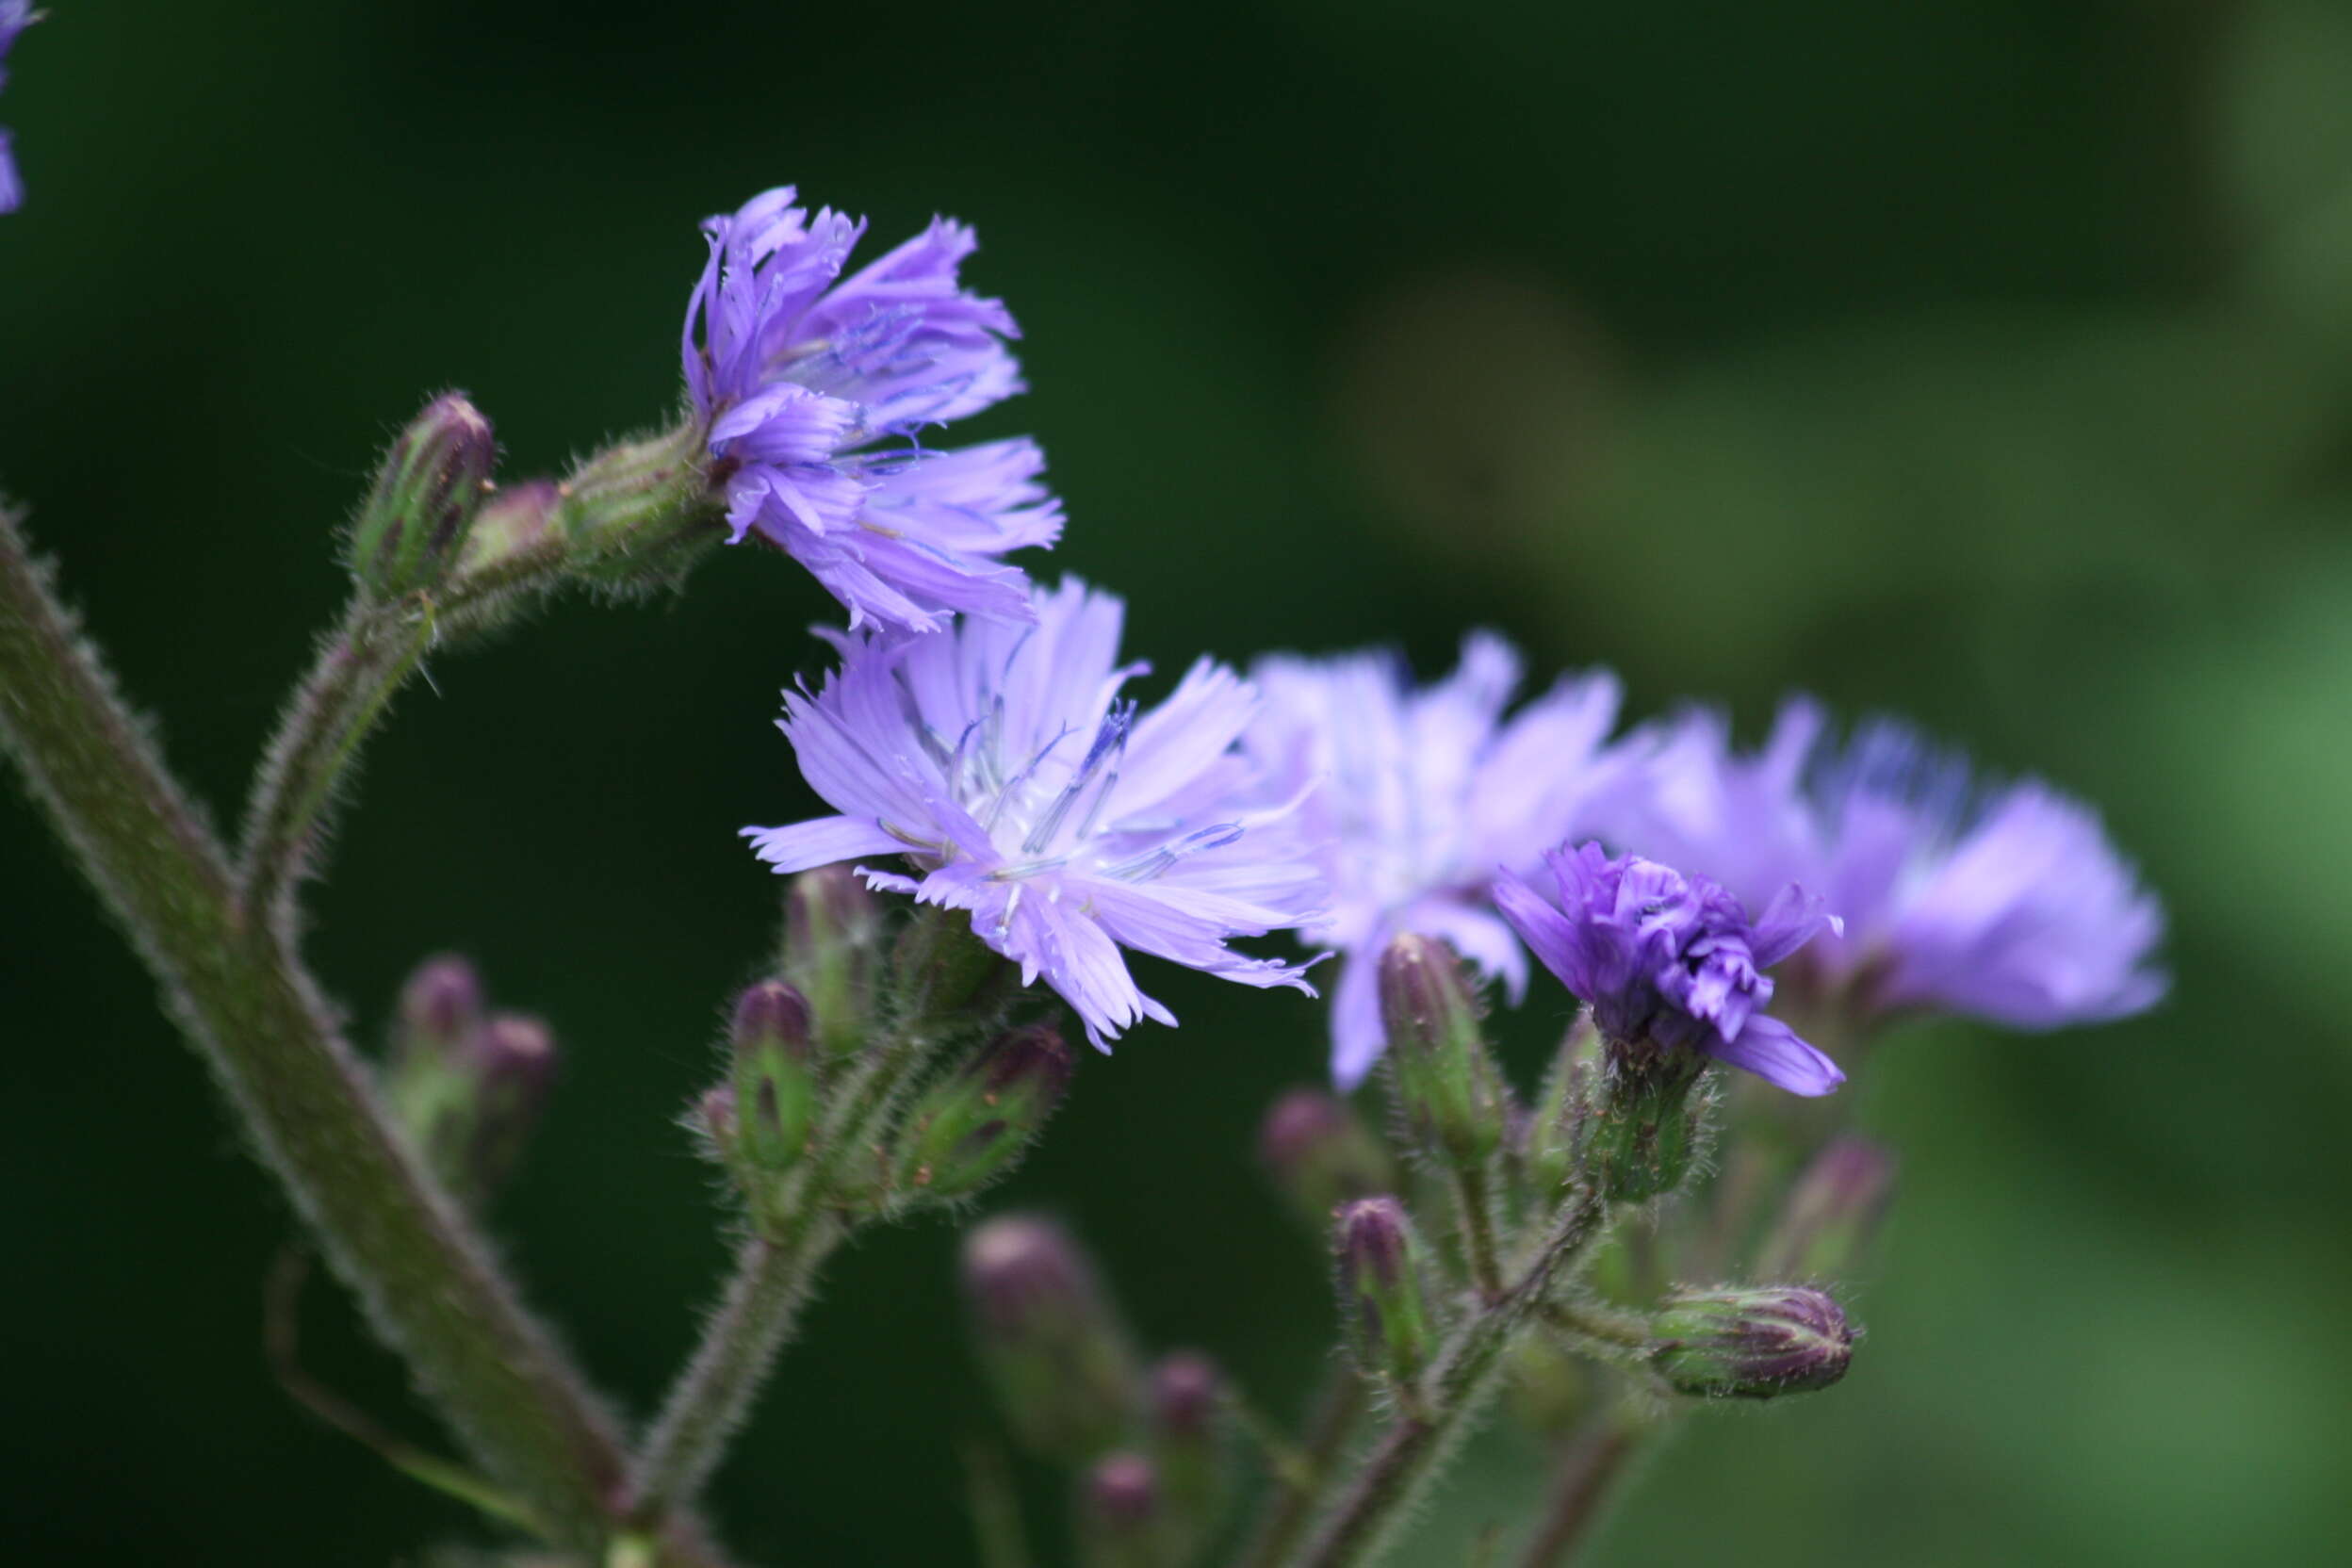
(816, 388)
(1001, 761)
(1420, 797)
(15, 16)
(2004, 902)
(1668, 961)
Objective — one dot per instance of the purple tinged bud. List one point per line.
(1122, 1516)
(1319, 1155)
(976, 1124)
(514, 1059)
(1049, 1340)
(413, 523)
(1382, 1297)
(1445, 1079)
(832, 947)
(1750, 1344)
(774, 1078)
(1188, 1444)
(1833, 1213)
(440, 1007)
(514, 521)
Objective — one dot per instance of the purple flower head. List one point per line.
(1668, 961)
(2004, 902)
(1419, 797)
(15, 16)
(1003, 763)
(816, 388)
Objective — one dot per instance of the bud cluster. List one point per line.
(465, 1084)
(1148, 1446)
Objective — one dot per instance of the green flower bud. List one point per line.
(1123, 1517)
(1445, 1079)
(426, 492)
(775, 1077)
(1319, 1155)
(1382, 1297)
(974, 1125)
(514, 1061)
(1646, 1126)
(1549, 1155)
(466, 1088)
(1053, 1349)
(1833, 1213)
(944, 976)
(1750, 1344)
(514, 521)
(832, 941)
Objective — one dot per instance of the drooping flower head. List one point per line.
(15, 16)
(1419, 797)
(816, 387)
(1003, 764)
(2004, 902)
(1667, 961)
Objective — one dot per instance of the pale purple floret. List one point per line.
(816, 388)
(1420, 797)
(1665, 961)
(1003, 763)
(15, 16)
(2004, 902)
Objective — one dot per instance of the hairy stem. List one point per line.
(1587, 1472)
(1406, 1457)
(1478, 1232)
(305, 1099)
(773, 1279)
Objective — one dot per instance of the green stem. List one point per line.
(1405, 1460)
(773, 1279)
(426, 1282)
(1478, 1232)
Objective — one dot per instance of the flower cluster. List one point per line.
(2007, 904)
(975, 733)
(15, 16)
(1003, 763)
(816, 388)
(1420, 798)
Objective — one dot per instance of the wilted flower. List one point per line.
(1001, 761)
(1667, 961)
(1420, 797)
(2005, 902)
(15, 16)
(805, 379)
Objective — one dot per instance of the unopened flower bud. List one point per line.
(1047, 1337)
(514, 520)
(832, 935)
(974, 1125)
(775, 1077)
(1382, 1297)
(1645, 1129)
(1833, 1213)
(1750, 1344)
(1554, 1125)
(414, 522)
(1320, 1155)
(1187, 1442)
(513, 1068)
(1445, 1078)
(440, 1007)
(1122, 1516)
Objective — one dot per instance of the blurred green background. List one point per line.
(1988, 362)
